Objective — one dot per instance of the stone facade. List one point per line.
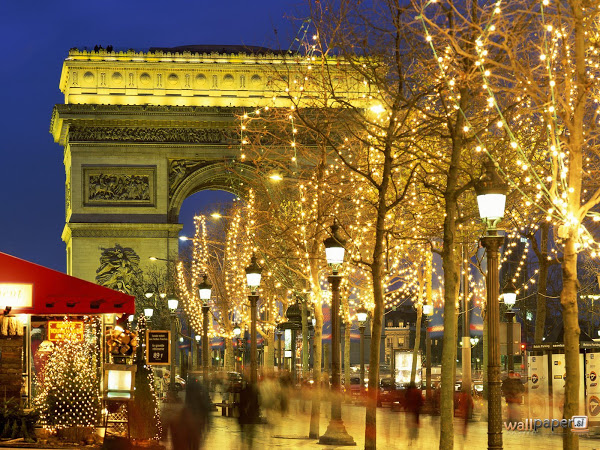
(143, 131)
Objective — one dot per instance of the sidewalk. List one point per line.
(291, 431)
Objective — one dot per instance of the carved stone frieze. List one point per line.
(135, 134)
(116, 233)
(119, 185)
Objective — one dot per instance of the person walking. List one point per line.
(249, 414)
(512, 389)
(414, 403)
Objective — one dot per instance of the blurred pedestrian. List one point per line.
(465, 411)
(414, 403)
(249, 414)
(512, 389)
(190, 427)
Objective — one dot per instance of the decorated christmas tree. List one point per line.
(69, 395)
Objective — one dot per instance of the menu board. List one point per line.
(157, 347)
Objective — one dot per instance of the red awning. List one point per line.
(54, 292)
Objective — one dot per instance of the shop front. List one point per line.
(40, 311)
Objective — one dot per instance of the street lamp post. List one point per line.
(253, 275)
(198, 353)
(336, 433)
(280, 352)
(361, 315)
(428, 312)
(491, 198)
(466, 348)
(237, 331)
(204, 291)
(509, 295)
(172, 303)
(313, 321)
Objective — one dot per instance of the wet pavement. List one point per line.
(291, 431)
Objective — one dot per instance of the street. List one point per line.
(291, 431)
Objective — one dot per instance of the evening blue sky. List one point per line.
(35, 37)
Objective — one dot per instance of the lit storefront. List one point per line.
(41, 308)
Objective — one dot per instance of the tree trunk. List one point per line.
(568, 300)
(451, 286)
(229, 356)
(540, 309)
(371, 410)
(269, 351)
(377, 271)
(413, 369)
(315, 411)
(305, 347)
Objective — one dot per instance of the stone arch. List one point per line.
(225, 175)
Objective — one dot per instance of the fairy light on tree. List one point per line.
(69, 391)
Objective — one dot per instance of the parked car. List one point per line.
(354, 388)
(390, 392)
(234, 382)
(166, 375)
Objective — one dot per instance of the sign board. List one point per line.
(16, 295)
(61, 331)
(538, 397)
(594, 406)
(559, 376)
(592, 386)
(158, 350)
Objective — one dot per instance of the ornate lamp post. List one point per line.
(253, 275)
(361, 315)
(336, 433)
(279, 351)
(173, 303)
(491, 198)
(204, 291)
(427, 312)
(509, 295)
(197, 339)
(237, 331)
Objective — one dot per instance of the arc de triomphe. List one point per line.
(141, 132)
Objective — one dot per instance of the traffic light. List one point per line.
(523, 347)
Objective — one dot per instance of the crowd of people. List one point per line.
(268, 401)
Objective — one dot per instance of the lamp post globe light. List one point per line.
(361, 315)
(336, 433)
(204, 292)
(509, 294)
(253, 276)
(491, 198)
(173, 303)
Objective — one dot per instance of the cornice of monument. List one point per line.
(221, 54)
(64, 116)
